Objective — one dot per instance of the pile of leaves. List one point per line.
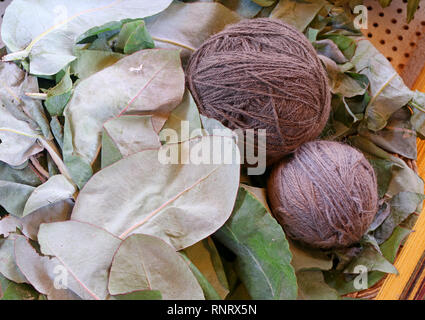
(88, 211)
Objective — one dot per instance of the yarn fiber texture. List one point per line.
(325, 196)
(262, 74)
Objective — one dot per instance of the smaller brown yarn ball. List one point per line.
(325, 196)
(262, 74)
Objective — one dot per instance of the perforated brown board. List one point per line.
(402, 43)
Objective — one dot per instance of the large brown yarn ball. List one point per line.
(324, 196)
(262, 74)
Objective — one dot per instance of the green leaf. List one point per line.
(385, 3)
(86, 264)
(110, 152)
(143, 262)
(304, 258)
(383, 171)
(45, 31)
(13, 197)
(162, 199)
(184, 119)
(346, 44)
(146, 72)
(16, 291)
(263, 255)
(59, 95)
(103, 31)
(57, 130)
(21, 176)
(412, 6)
(207, 288)
(57, 188)
(264, 3)
(140, 295)
(244, 8)
(418, 117)
(372, 260)
(297, 13)
(134, 37)
(89, 62)
(312, 286)
(208, 265)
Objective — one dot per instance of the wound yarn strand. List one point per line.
(325, 195)
(262, 74)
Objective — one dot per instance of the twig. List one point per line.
(39, 167)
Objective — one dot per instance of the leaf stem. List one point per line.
(174, 43)
(416, 106)
(57, 159)
(36, 95)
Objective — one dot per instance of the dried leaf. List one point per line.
(164, 200)
(297, 13)
(147, 72)
(40, 271)
(87, 264)
(180, 26)
(57, 188)
(143, 262)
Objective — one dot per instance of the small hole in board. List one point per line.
(394, 48)
(389, 59)
(381, 14)
(387, 31)
(394, 21)
(382, 41)
(375, 25)
(369, 35)
(400, 38)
